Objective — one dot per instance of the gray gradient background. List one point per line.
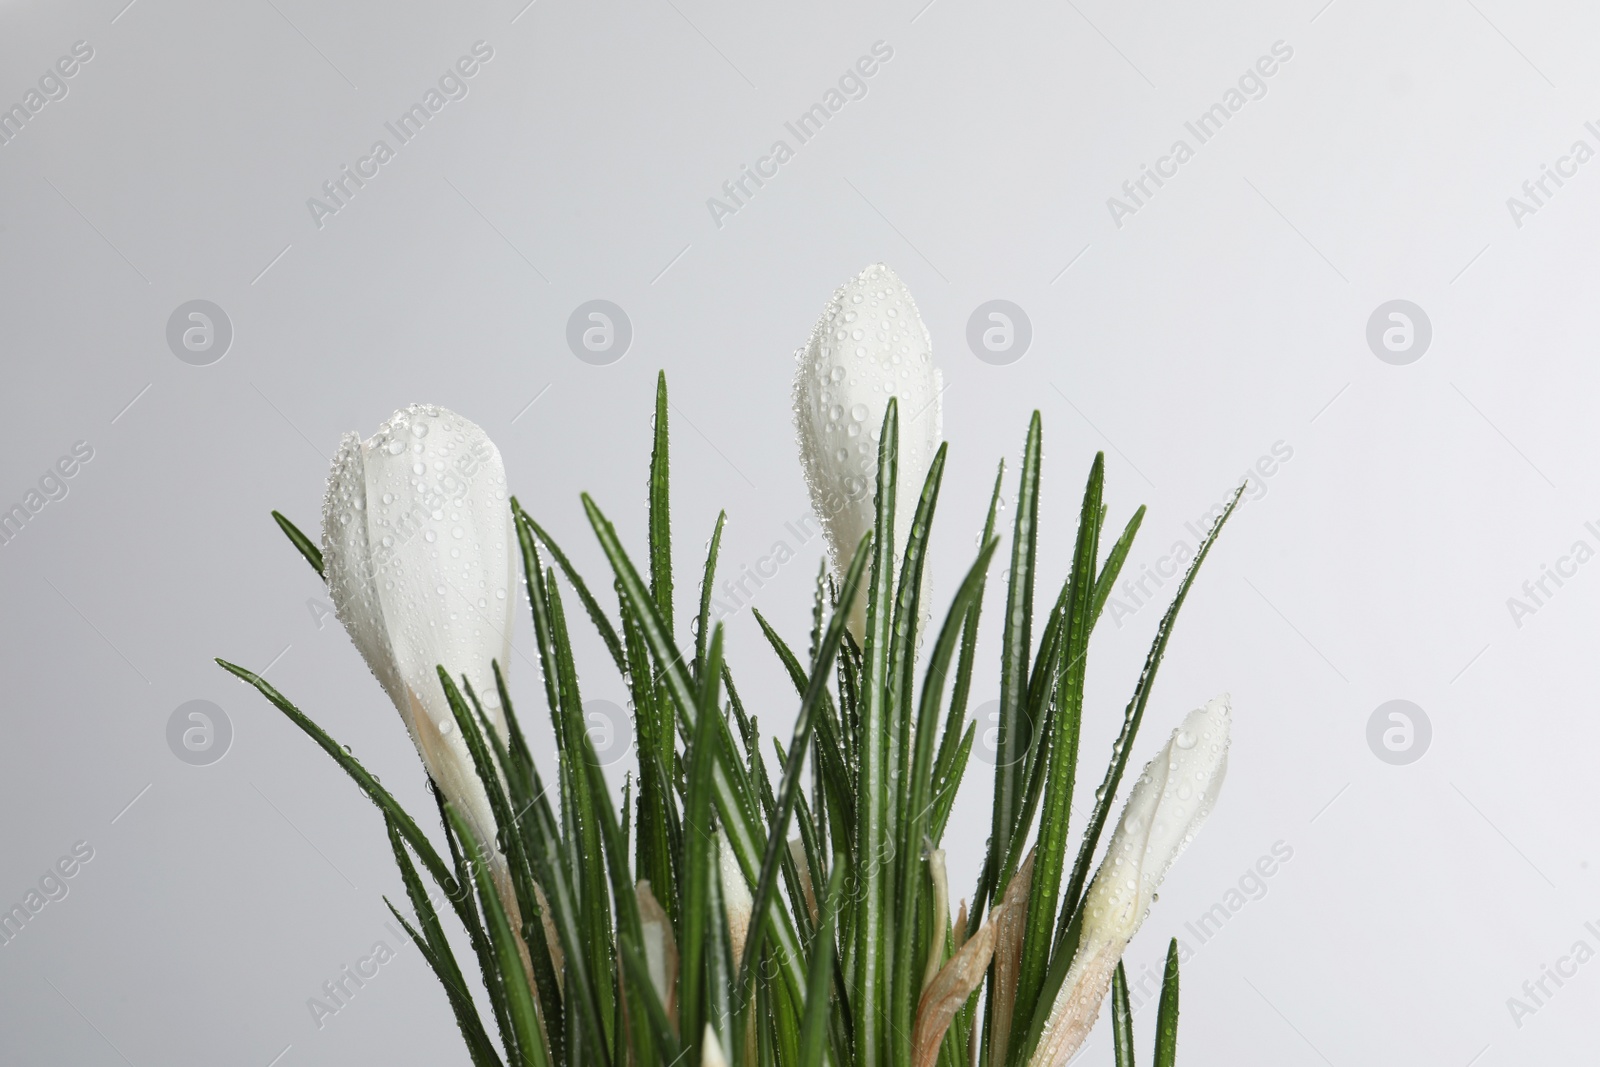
(1228, 315)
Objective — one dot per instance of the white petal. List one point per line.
(347, 562)
(869, 345)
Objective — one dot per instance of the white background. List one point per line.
(1227, 315)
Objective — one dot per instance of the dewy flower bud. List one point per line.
(869, 345)
(1168, 803)
(416, 539)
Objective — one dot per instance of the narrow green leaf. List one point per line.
(1015, 733)
(1065, 718)
(435, 948)
(660, 510)
(903, 654)
(597, 615)
(482, 1052)
(907, 973)
(307, 548)
(1121, 1019)
(700, 862)
(835, 768)
(530, 1049)
(874, 848)
(1167, 1011)
(656, 856)
(789, 787)
(704, 621)
(969, 649)
(814, 1027)
(515, 863)
(735, 800)
(1114, 561)
(950, 785)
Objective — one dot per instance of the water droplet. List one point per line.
(396, 446)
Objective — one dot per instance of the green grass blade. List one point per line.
(903, 637)
(531, 817)
(948, 785)
(814, 1036)
(435, 949)
(307, 547)
(969, 649)
(903, 645)
(1167, 1011)
(661, 510)
(735, 799)
(908, 971)
(704, 620)
(657, 845)
(789, 787)
(1114, 561)
(1043, 688)
(699, 864)
(589, 806)
(476, 732)
(834, 767)
(583, 923)
(874, 789)
(530, 1050)
(482, 1051)
(1121, 1019)
(1015, 733)
(597, 615)
(1065, 720)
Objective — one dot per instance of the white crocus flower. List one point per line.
(1169, 802)
(869, 345)
(417, 546)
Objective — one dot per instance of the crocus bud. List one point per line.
(1168, 803)
(869, 345)
(416, 541)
